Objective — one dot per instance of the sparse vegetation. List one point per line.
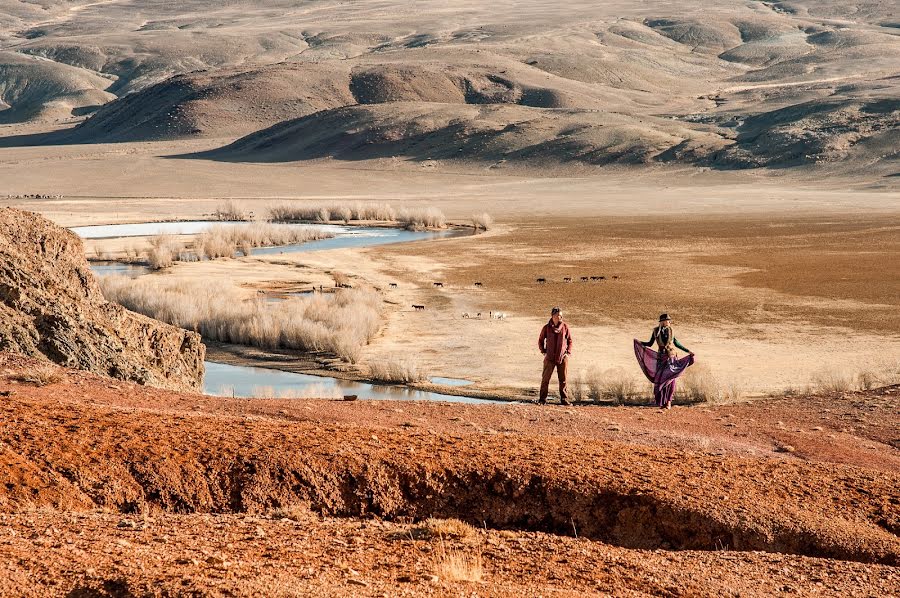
(482, 221)
(457, 565)
(41, 375)
(396, 369)
(340, 323)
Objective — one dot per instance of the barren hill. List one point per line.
(763, 84)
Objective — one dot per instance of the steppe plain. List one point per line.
(732, 163)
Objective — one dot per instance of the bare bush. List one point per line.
(40, 375)
(699, 385)
(456, 565)
(340, 323)
(832, 382)
(421, 218)
(232, 211)
(483, 221)
(396, 369)
(163, 251)
(614, 385)
(325, 212)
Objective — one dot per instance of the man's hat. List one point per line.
(664, 317)
(555, 310)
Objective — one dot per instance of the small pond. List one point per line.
(244, 381)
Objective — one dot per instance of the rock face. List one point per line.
(51, 306)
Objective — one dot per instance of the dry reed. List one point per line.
(40, 375)
(396, 369)
(232, 211)
(339, 323)
(328, 212)
(227, 241)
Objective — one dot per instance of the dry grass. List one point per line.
(700, 385)
(446, 528)
(339, 323)
(412, 218)
(614, 385)
(41, 375)
(482, 221)
(332, 212)
(227, 241)
(457, 565)
(164, 251)
(232, 211)
(397, 369)
(292, 512)
(421, 218)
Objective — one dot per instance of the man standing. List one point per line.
(555, 343)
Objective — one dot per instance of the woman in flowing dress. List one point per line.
(662, 367)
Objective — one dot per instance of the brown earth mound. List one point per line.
(224, 103)
(490, 133)
(52, 307)
(191, 454)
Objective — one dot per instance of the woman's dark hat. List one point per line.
(555, 310)
(664, 317)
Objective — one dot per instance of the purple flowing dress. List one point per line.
(661, 372)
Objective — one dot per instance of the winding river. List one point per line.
(245, 381)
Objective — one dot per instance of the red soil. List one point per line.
(199, 477)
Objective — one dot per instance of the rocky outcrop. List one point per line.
(51, 306)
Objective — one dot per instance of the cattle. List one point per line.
(541, 280)
(567, 279)
(439, 284)
(478, 284)
(584, 279)
(393, 285)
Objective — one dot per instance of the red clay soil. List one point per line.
(671, 503)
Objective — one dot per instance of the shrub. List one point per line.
(483, 221)
(832, 382)
(699, 385)
(396, 369)
(456, 565)
(231, 210)
(40, 375)
(421, 218)
(444, 528)
(614, 385)
(339, 323)
(321, 212)
(163, 251)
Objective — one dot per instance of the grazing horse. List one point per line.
(419, 307)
